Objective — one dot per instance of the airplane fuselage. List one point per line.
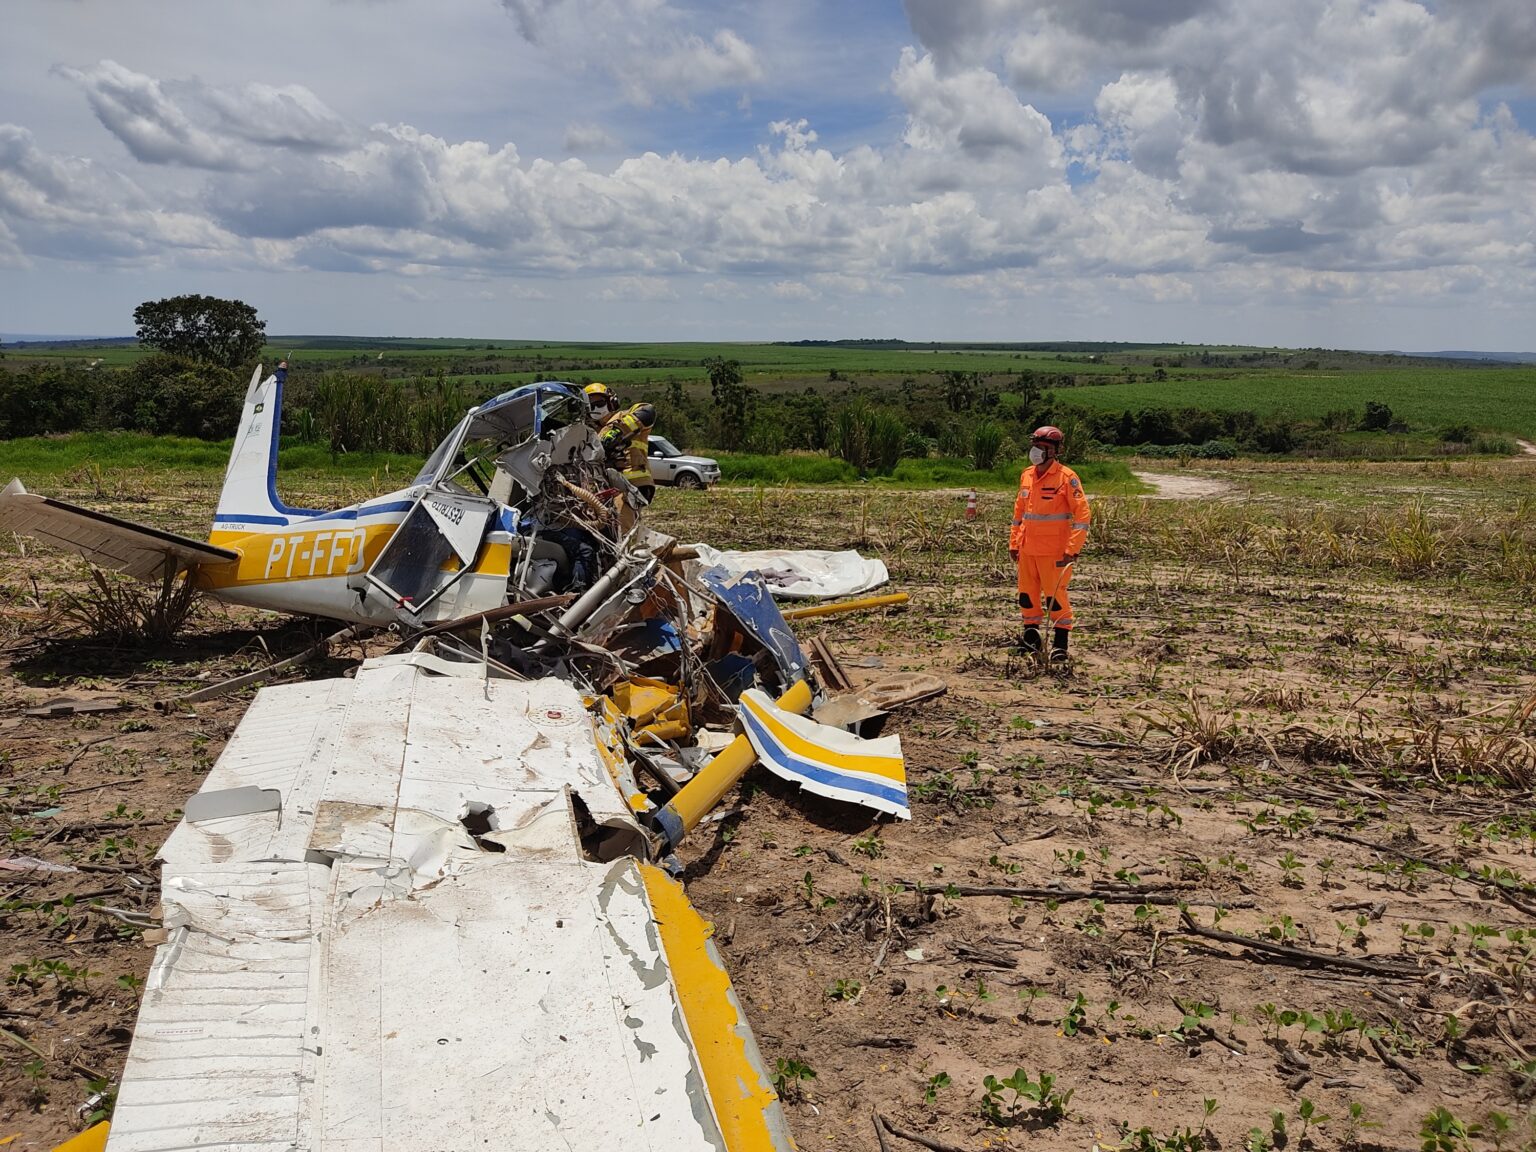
(315, 564)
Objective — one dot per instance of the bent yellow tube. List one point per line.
(700, 795)
(846, 606)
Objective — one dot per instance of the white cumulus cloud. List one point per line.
(646, 46)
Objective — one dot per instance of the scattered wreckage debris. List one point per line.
(466, 849)
(457, 855)
(73, 707)
(261, 675)
(841, 606)
(519, 501)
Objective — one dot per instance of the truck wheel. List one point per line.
(690, 480)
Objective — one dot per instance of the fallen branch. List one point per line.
(879, 1131)
(925, 1141)
(985, 956)
(266, 673)
(1225, 1041)
(1300, 956)
(7, 1034)
(1452, 871)
(98, 787)
(82, 750)
(1108, 895)
(1392, 1061)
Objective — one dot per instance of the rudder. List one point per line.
(249, 496)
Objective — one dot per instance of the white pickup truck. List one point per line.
(670, 466)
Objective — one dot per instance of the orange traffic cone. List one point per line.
(970, 505)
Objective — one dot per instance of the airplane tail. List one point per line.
(249, 497)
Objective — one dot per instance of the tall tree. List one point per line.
(223, 332)
(734, 401)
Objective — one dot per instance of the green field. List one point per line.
(1425, 395)
(105, 452)
(1501, 399)
(107, 459)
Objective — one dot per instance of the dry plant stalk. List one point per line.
(1200, 733)
(118, 610)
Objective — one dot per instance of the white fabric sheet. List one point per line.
(806, 574)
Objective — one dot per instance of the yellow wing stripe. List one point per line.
(886, 767)
(745, 1104)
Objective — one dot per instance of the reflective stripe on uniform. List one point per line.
(1033, 516)
(1079, 525)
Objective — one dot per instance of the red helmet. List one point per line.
(1048, 433)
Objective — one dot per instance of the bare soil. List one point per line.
(1180, 486)
(1311, 760)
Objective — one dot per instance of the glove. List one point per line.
(1066, 561)
(1014, 552)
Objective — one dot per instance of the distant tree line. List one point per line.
(160, 394)
(194, 385)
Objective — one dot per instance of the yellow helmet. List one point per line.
(599, 394)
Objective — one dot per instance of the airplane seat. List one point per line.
(549, 566)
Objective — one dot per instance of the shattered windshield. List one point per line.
(443, 452)
(500, 423)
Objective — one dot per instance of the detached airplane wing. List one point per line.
(107, 541)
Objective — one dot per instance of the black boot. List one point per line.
(1059, 640)
(1029, 640)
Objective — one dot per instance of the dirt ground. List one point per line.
(1178, 486)
(1333, 766)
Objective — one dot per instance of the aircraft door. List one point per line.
(434, 546)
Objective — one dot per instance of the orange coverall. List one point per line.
(1050, 522)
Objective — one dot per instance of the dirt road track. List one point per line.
(1174, 486)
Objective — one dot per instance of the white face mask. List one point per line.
(1037, 455)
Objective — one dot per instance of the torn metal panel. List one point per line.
(426, 938)
(226, 802)
(224, 1051)
(825, 760)
(746, 597)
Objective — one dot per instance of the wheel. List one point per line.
(689, 480)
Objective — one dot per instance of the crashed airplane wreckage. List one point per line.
(435, 901)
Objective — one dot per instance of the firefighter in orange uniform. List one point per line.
(1050, 526)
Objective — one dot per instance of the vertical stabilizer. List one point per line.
(249, 497)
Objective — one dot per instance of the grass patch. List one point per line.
(1425, 397)
(742, 468)
(1101, 477)
(62, 455)
(99, 452)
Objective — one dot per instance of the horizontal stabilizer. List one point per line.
(106, 541)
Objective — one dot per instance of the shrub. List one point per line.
(886, 436)
(869, 440)
(47, 399)
(986, 440)
(1377, 418)
(179, 396)
(1494, 446)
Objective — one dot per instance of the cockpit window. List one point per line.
(502, 422)
(443, 452)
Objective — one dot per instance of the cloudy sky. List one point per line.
(1336, 173)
